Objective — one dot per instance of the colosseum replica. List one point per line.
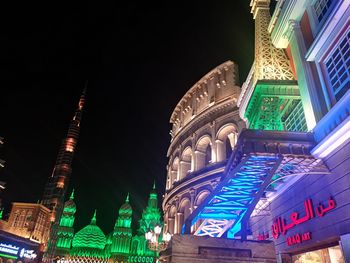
(205, 124)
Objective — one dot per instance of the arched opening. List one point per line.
(185, 163)
(208, 155)
(226, 141)
(199, 199)
(171, 220)
(174, 171)
(228, 148)
(183, 213)
(203, 153)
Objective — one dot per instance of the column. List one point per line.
(307, 86)
(171, 225)
(199, 160)
(178, 222)
(220, 151)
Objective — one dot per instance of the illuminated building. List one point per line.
(205, 127)
(151, 217)
(287, 178)
(56, 186)
(30, 221)
(65, 231)
(90, 244)
(121, 237)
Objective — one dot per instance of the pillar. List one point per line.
(220, 151)
(307, 86)
(199, 160)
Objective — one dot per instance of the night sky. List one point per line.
(139, 61)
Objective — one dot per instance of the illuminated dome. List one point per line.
(90, 236)
(69, 206)
(125, 210)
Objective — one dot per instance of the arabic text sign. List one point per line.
(13, 250)
(280, 226)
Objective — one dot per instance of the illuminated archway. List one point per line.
(185, 163)
(203, 152)
(225, 141)
(183, 212)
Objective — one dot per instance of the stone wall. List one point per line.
(189, 248)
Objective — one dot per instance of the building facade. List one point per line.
(57, 184)
(90, 244)
(316, 37)
(287, 178)
(30, 221)
(205, 128)
(24, 235)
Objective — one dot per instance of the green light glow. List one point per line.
(274, 105)
(90, 242)
(65, 231)
(7, 256)
(150, 218)
(90, 236)
(122, 233)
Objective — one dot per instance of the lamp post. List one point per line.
(153, 242)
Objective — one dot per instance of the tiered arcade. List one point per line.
(205, 128)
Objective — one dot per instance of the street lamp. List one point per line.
(153, 242)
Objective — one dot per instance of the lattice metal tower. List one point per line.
(275, 102)
(56, 186)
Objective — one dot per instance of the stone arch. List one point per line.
(185, 165)
(183, 213)
(174, 170)
(226, 139)
(171, 219)
(203, 152)
(200, 197)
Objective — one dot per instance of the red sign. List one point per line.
(263, 236)
(298, 238)
(280, 226)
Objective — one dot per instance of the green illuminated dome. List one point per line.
(125, 210)
(90, 236)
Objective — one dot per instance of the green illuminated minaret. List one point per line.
(271, 96)
(65, 231)
(151, 215)
(122, 233)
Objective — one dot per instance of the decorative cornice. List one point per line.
(280, 22)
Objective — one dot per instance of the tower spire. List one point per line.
(271, 63)
(127, 198)
(93, 219)
(272, 99)
(72, 195)
(56, 186)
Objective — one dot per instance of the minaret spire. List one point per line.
(72, 195)
(127, 199)
(56, 186)
(93, 219)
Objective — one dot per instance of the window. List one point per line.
(338, 67)
(321, 7)
(326, 255)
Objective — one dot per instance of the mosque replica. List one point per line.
(90, 244)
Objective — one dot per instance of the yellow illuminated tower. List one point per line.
(270, 98)
(56, 186)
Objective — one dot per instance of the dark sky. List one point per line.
(139, 60)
